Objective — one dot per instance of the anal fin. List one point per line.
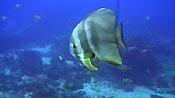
(110, 54)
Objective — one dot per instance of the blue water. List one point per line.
(35, 57)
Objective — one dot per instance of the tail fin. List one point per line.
(119, 37)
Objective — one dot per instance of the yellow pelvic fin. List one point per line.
(88, 64)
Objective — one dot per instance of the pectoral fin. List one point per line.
(88, 64)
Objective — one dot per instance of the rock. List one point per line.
(30, 63)
(171, 91)
(53, 73)
(173, 81)
(73, 85)
(8, 59)
(44, 93)
(156, 96)
(162, 83)
(129, 88)
(2, 95)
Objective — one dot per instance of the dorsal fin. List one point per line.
(119, 37)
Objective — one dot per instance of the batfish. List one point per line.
(97, 38)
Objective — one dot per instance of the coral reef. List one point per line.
(37, 74)
(30, 62)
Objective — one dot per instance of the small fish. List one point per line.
(146, 50)
(18, 5)
(126, 80)
(88, 73)
(41, 77)
(124, 68)
(28, 95)
(147, 17)
(60, 58)
(132, 48)
(96, 38)
(148, 71)
(37, 17)
(3, 17)
(59, 97)
(70, 85)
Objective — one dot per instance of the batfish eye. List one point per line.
(74, 46)
(93, 55)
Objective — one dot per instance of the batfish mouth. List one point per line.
(90, 55)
